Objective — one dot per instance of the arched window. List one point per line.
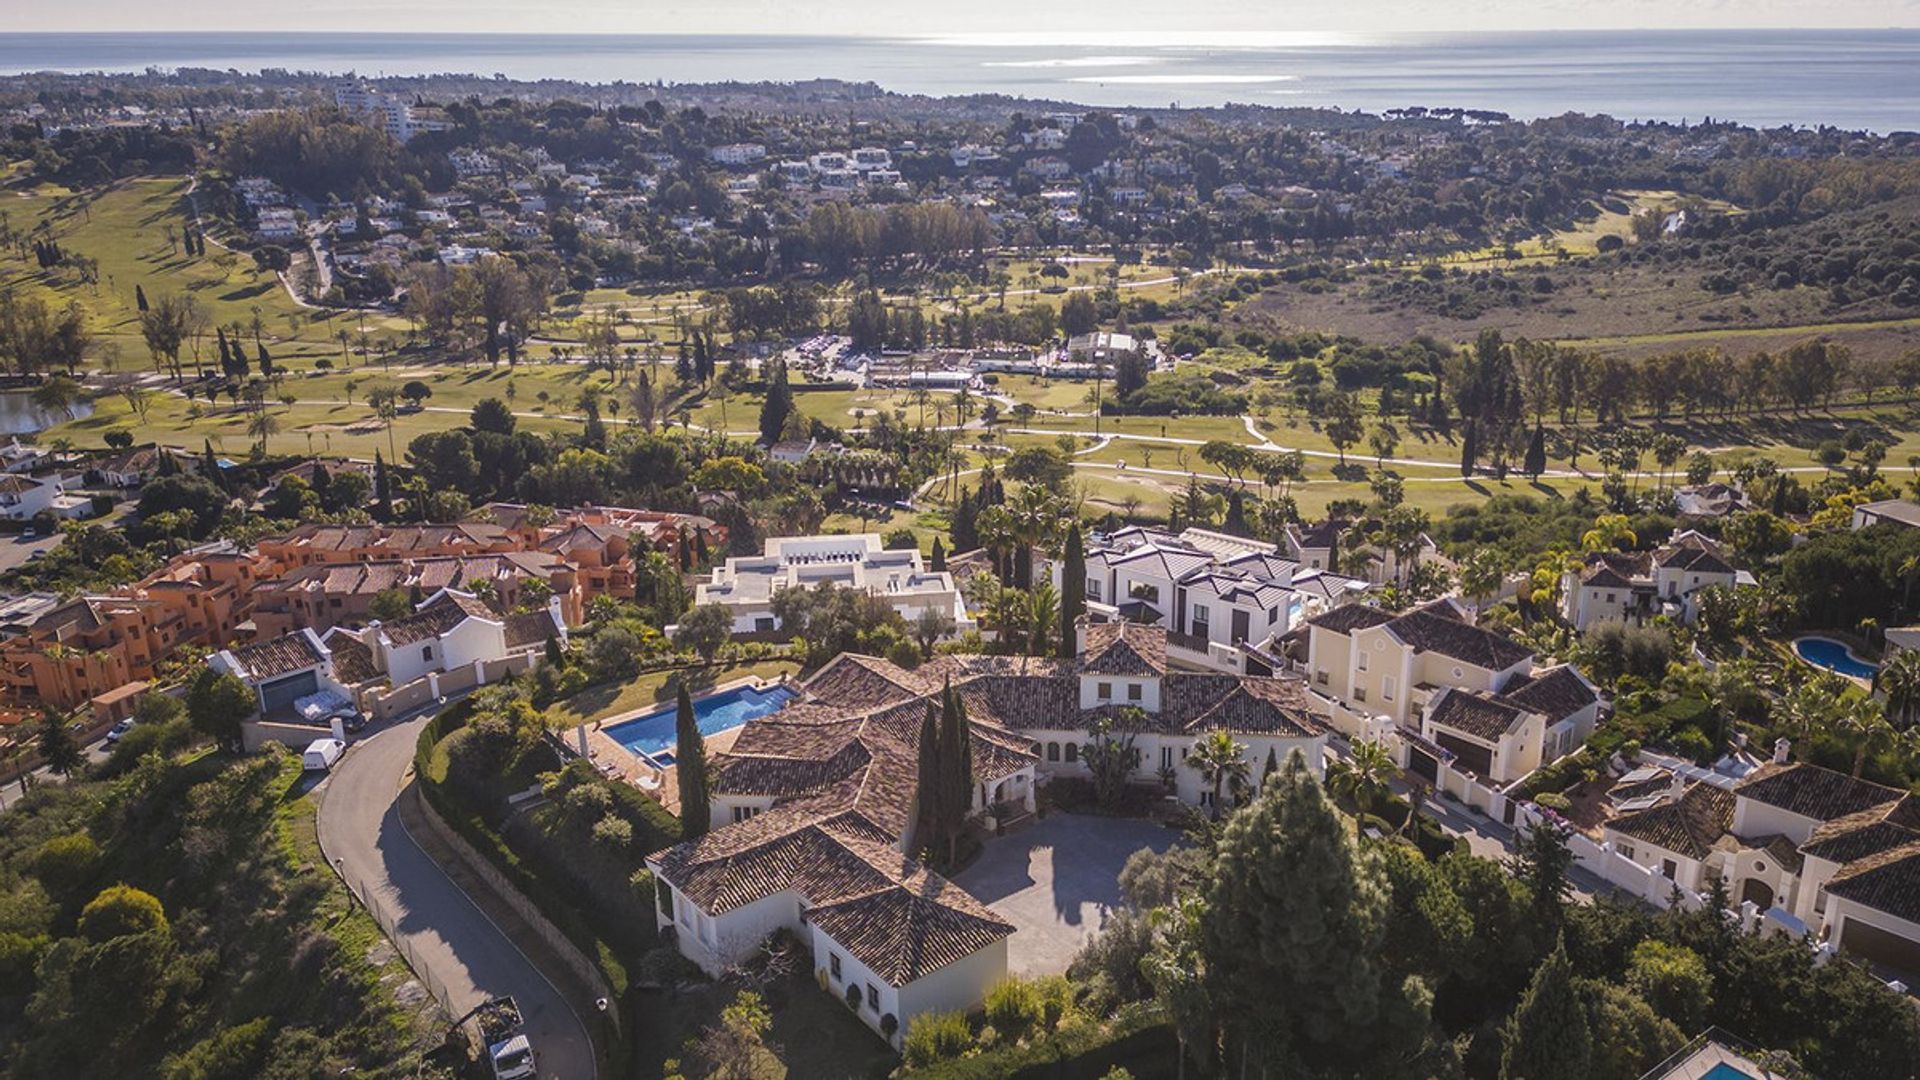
(1073, 752)
(1053, 751)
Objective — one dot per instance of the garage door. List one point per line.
(1422, 763)
(1468, 757)
(1878, 946)
(278, 695)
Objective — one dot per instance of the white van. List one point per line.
(322, 753)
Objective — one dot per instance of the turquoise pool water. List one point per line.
(1724, 1071)
(653, 734)
(1832, 655)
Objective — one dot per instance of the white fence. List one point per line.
(1615, 869)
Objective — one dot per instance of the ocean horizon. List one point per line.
(1868, 79)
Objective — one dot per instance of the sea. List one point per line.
(1852, 79)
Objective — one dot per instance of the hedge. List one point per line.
(1141, 1041)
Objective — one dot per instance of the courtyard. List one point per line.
(1055, 880)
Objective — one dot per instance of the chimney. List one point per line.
(1780, 748)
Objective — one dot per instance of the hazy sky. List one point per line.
(1080, 21)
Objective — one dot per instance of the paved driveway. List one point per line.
(1055, 880)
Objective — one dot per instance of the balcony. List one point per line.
(1193, 643)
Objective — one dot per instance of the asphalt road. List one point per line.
(443, 930)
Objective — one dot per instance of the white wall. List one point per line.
(854, 973)
(1148, 700)
(1753, 818)
(960, 985)
(472, 639)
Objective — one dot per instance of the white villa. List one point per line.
(1628, 586)
(746, 585)
(1816, 851)
(816, 806)
(1457, 702)
(1222, 599)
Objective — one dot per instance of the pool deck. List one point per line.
(613, 759)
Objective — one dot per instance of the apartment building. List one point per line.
(322, 597)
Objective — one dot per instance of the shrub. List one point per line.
(1014, 1006)
(935, 1037)
(120, 910)
(66, 862)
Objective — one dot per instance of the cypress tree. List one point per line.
(226, 354)
(58, 749)
(382, 493)
(778, 406)
(1469, 449)
(939, 560)
(690, 769)
(211, 465)
(1536, 459)
(1547, 1036)
(1073, 593)
(966, 511)
(956, 769)
(1273, 765)
(555, 655)
(931, 783)
(266, 362)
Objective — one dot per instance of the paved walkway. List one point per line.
(1055, 881)
(434, 922)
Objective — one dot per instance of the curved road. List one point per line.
(361, 831)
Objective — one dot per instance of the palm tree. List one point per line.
(263, 426)
(1362, 778)
(1899, 680)
(1043, 614)
(1481, 574)
(1862, 724)
(1220, 762)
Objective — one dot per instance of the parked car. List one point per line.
(117, 731)
(321, 754)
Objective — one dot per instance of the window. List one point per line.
(1668, 868)
(1133, 691)
(1093, 589)
(1166, 757)
(1053, 751)
(1361, 662)
(1609, 598)
(1625, 850)
(742, 813)
(1273, 616)
(1387, 688)
(1142, 591)
(873, 997)
(1073, 752)
(1105, 691)
(833, 964)
(1359, 693)
(1320, 677)
(1200, 617)
(426, 652)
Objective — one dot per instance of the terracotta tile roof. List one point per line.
(1556, 693)
(438, 617)
(1123, 648)
(1483, 716)
(530, 628)
(1347, 618)
(910, 928)
(1429, 630)
(352, 661)
(279, 656)
(1616, 569)
(1888, 881)
(1813, 792)
(1689, 825)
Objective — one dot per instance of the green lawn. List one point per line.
(653, 688)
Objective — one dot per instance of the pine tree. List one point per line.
(58, 750)
(382, 492)
(690, 769)
(1536, 459)
(1542, 860)
(1547, 1036)
(1297, 1001)
(1073, 593)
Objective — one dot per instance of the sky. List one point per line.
(1197, 22)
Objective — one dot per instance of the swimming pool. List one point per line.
(652, 734)
(1724, 1071)
(1834, 656)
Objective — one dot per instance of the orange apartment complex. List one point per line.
(321, 575)
(93, 645)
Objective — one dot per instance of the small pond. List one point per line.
(20, 416)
